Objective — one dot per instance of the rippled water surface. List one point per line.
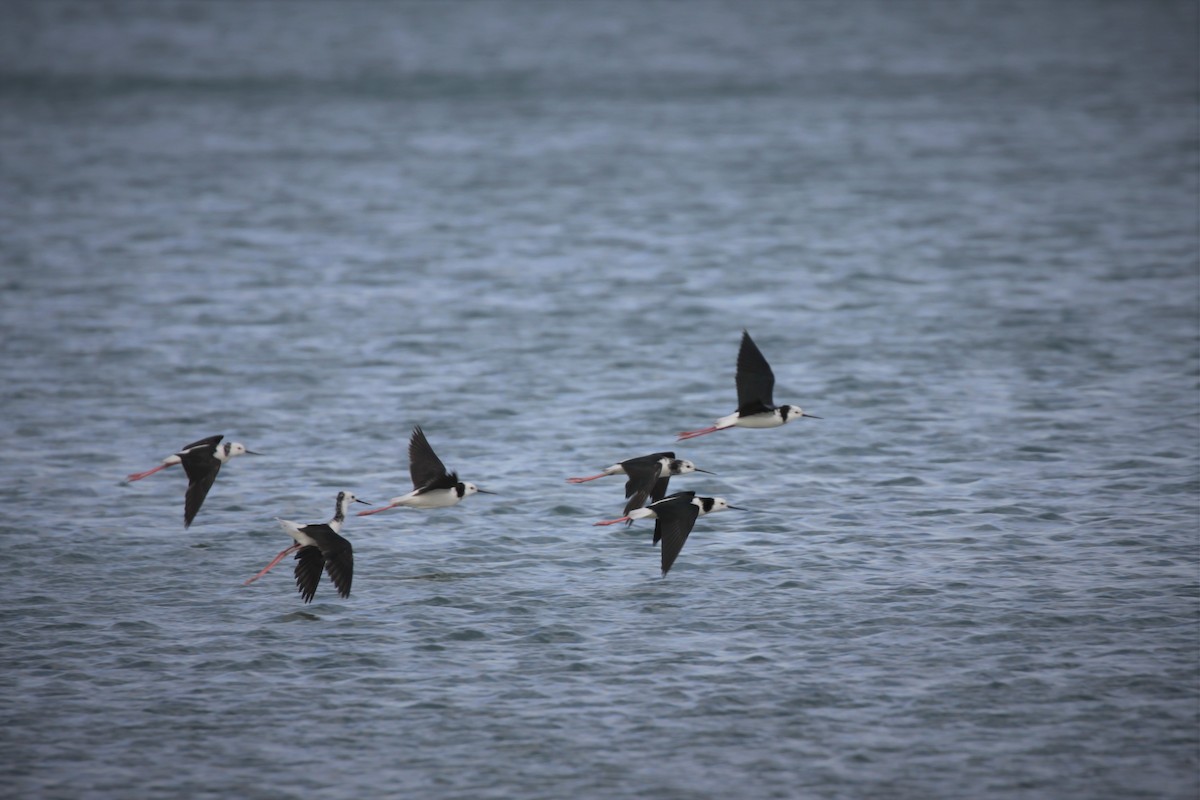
(964, 235)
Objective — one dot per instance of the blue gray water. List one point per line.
(964, 234)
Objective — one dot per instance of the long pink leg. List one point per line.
(137, 476)
(612, 521)
(373, 511)
(585, 480)
(693, 434)
(274, 561)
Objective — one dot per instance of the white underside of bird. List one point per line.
(434, 498)
(767, 419)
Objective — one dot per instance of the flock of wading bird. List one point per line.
(320, 547)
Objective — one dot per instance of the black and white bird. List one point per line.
(674, 518)
(319, 546)
(648, 476)
(201, 461)
(755, 388)
(433, 485)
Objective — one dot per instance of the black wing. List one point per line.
(201, 467)
(309, 563)
(427, 470)
(211, 441)
(643, 481)
(339, 562)
(675, 527)
(655, 457)
(675, 499)
(755, 381)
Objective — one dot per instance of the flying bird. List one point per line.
(648, 476)
(319, 546)
(755, 387)
(674, 518)
(433, 485)
(201, 461)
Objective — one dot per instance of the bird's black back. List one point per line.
(755, 380)
(653, 458)
(211, 441)
(427, 470)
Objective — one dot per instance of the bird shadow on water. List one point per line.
(300, 616)
(435, 576)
